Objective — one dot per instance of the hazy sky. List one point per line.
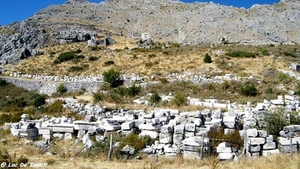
(18, 10)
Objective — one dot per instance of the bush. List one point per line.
(93, 58)
(112, 77)
(98, 97)
(207, 58)
(282, 76)
(3, 82)
(240, 54)
(248, 90)
(133, 90)
(290, 54)
(61, 89)
(54, 108)
(75, 68)
(264, 51)
(108, 63)
(67, 56)
(275, 121)
(155, 98)
(39, 101)
(179, 99)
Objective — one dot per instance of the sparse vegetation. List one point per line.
(241, 54)
(108, 63)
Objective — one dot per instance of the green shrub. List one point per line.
(240, 54)
(264, 51)
(75, 68)
(290, 54)
(108, 63)
(61, 89)
(39, 101)
(3, 82)
(112, 77)
(282, 76)
(4, 117)
(98, 97)
(53, 109)
(207, 58)
(133, 90)
(93, 58)
(248, 90)
(67, 56)
(155, 98)
(275, 121)
(179, 99)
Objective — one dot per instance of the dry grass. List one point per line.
(65, 158)
(189, 58)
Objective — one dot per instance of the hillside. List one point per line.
(166, 21)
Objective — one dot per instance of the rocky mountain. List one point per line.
(165, 20)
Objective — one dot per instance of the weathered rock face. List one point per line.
(192, 23)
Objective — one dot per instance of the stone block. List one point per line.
(256, 154)
(189, 134)
(224, 149)
(269, 139)
(127, 125)
(146, 127)
(230, 125)
(229, 119)
(286, 142)
(179, 129)
(191, 148)
(177, 138)
(155, 121)
(254, 149)
(252, 133)
(270, 152)
(228, 131)
(43, 131)
(226, 156)
(269, 146)
(68, 136)
(167, 129)
(165, 138)
(198, 122)
(191, 127)
(262, 133)
(287, 149)
(256, 141)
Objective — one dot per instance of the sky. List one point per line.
(18, 10)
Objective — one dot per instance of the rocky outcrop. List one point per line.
(191, 23)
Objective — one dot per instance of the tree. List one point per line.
(112, 77)
(275, 121)
(207, 58)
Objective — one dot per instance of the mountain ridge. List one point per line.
(166, 21)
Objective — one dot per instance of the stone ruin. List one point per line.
(177, 132)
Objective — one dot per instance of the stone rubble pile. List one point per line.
(177, 132)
